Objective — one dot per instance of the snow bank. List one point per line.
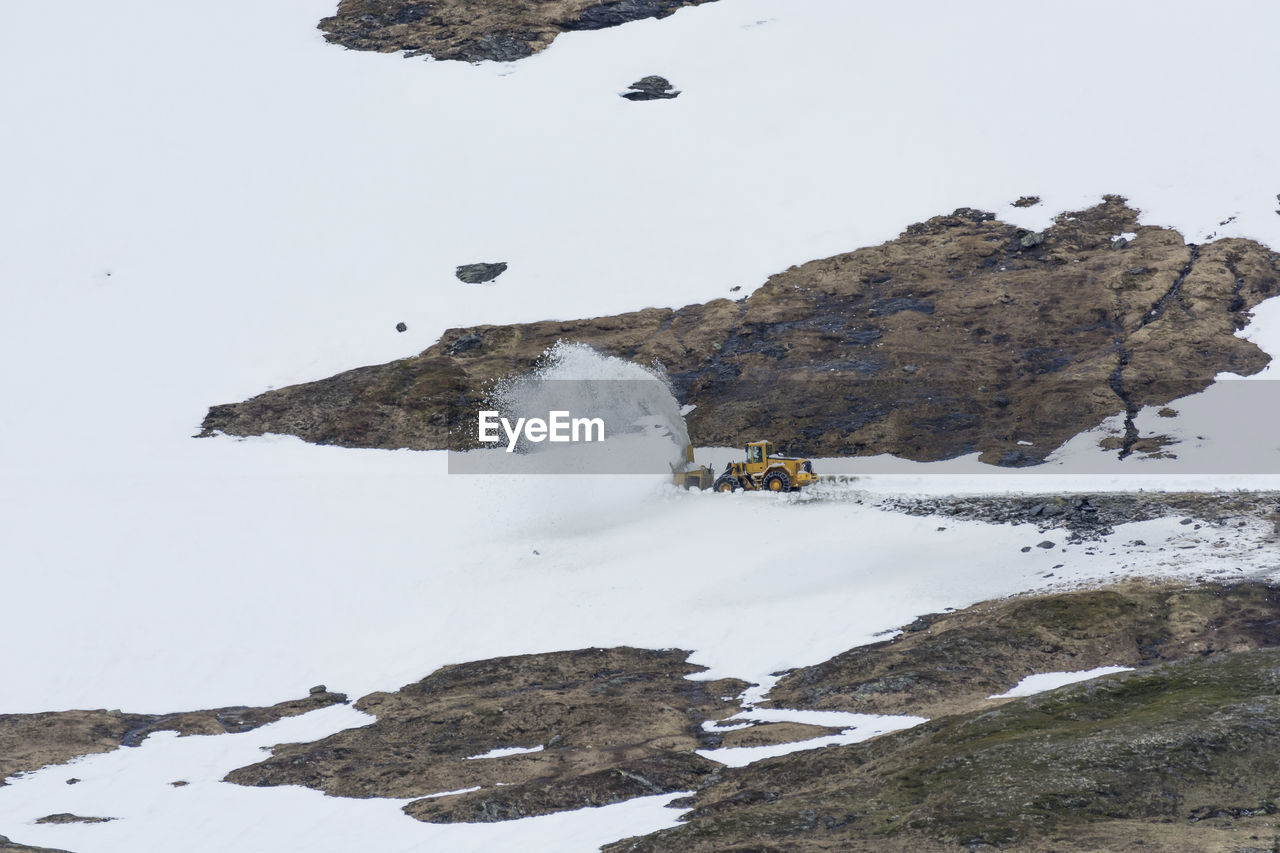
(1041, 682)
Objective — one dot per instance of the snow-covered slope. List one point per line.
(198, 204)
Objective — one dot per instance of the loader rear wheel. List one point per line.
(777, 481)
(727, 484)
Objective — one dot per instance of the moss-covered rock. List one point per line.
(949, 662)
(597, 726)
(1188, 752)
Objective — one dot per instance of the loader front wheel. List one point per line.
(777, 481)
(727, 484)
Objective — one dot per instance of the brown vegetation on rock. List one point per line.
(607, 724)
(946, 663)
(1179, 755)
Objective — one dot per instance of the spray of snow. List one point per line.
(643, 425)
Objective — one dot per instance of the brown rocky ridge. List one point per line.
(476, 30)
(31, 741)
(1179, 758)
(963, 334)
(946, 663)
(605, 725)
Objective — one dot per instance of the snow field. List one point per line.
(200, 206)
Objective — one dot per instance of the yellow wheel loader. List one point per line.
(767, 471)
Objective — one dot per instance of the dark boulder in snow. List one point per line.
(651, 88)
(480, 273)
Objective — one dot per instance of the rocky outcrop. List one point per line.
(945, 663)
(958, 336)
(590, 727)
(31, 741)
(1178, 755)
(476, 30)
(480, 273)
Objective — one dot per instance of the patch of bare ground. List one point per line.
(946, 663)
(604, 725)
(31, 741)
(963, 334)
(475, 30)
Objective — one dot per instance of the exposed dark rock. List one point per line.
(1027, 201)
(401, 327)
(466, 343)
(611, 724)
(1094, 515)
(480, 273)
(1024, 348)
(651, 88)
(67, 817)
(478, 30)
(610, 14)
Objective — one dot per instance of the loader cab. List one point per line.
(758, 453)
